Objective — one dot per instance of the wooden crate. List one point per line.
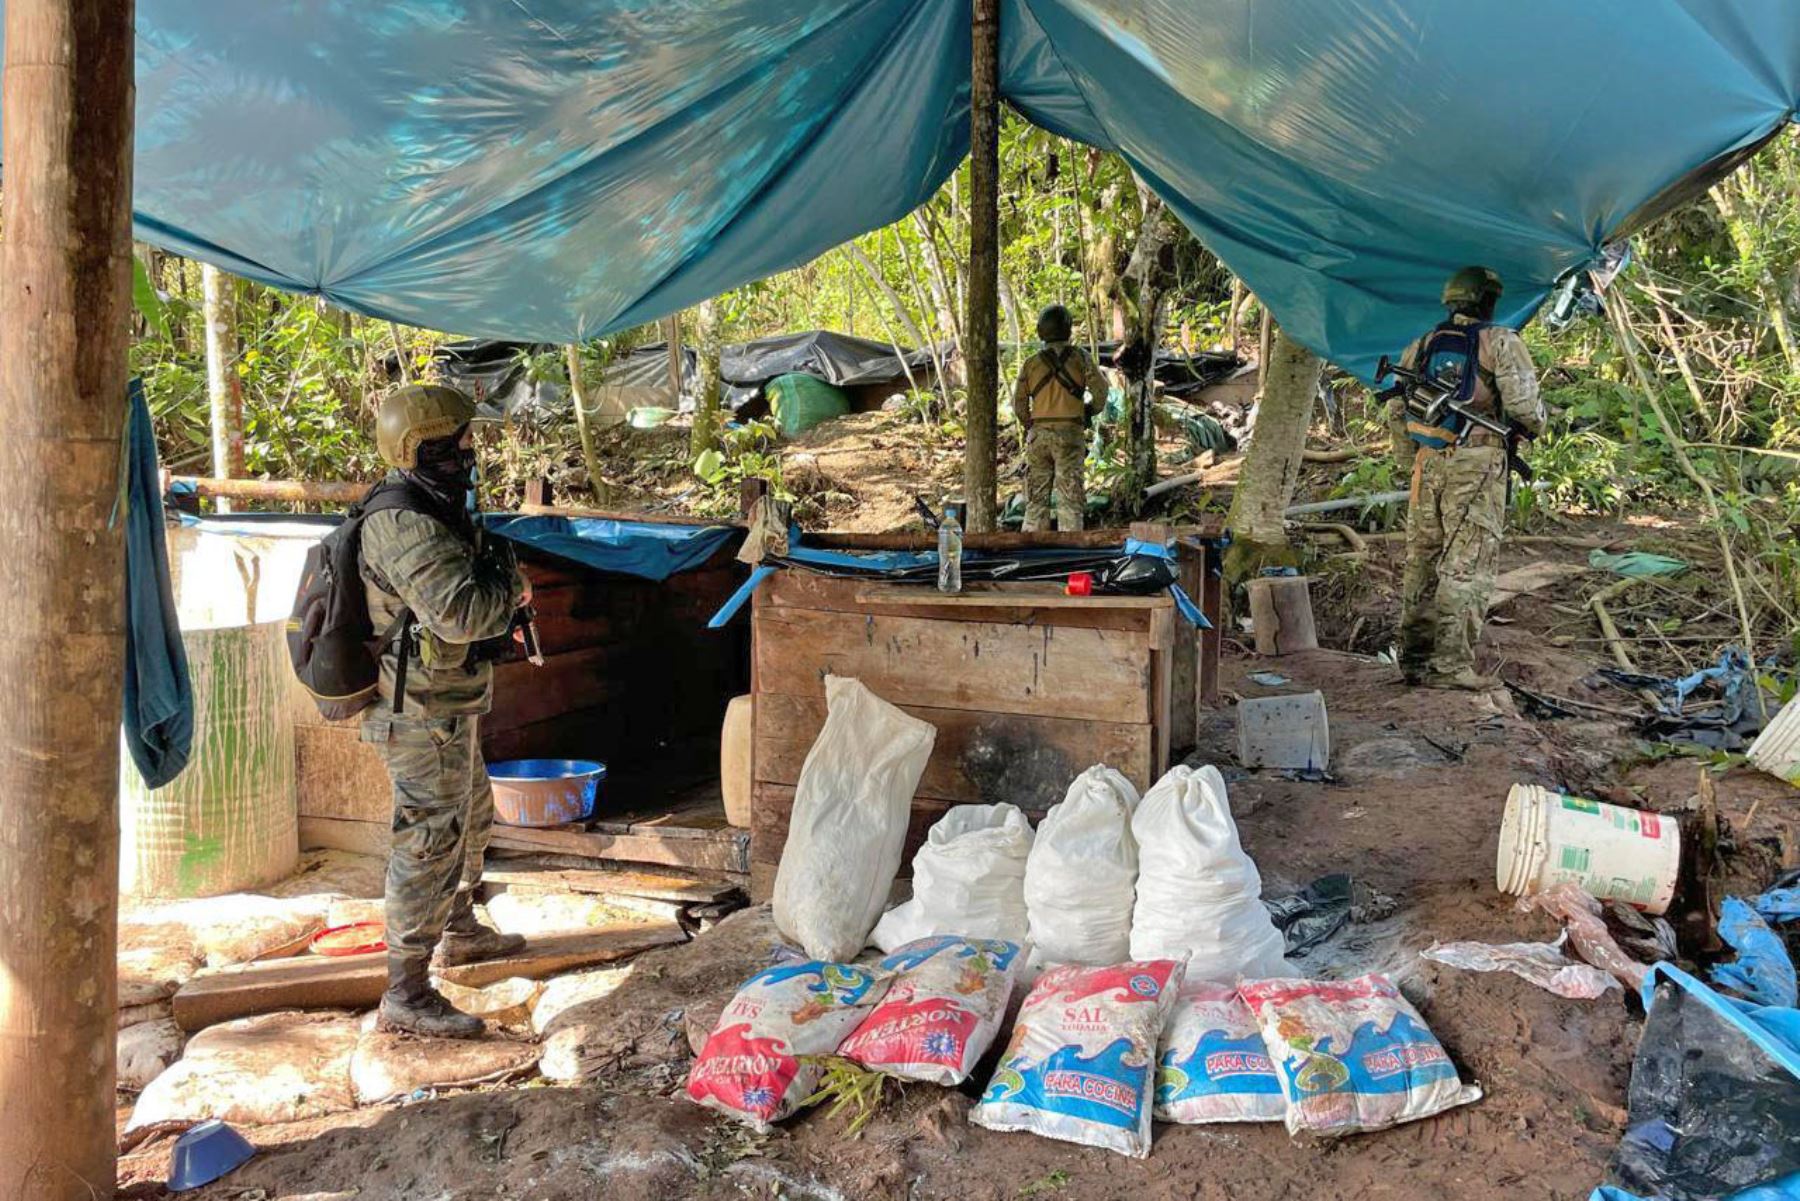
(1027, 687)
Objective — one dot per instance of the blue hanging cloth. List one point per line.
(159, 695)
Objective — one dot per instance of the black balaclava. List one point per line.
(445, 472)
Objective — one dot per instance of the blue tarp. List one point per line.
(159, 695)
(646, 549)
(556, 170)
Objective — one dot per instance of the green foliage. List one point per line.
(850, 1088)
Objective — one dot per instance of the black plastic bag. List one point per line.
(1714, 1100)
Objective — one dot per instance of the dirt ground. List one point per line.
(1412, 809)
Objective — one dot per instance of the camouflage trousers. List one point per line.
(1055, 452)
(1452, 543)
(443, 814)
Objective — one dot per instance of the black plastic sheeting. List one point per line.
(495, 371)
(1712, 1110)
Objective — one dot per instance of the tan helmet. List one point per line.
(1472, 285)
(418, 413)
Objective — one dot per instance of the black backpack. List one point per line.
(333, 645)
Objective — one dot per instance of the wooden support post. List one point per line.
(590, 455)
(981, 325)
(539, 493)
(224, 394)
(65, 312)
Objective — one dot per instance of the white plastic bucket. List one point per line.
(1614, 853)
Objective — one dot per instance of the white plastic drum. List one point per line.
(1614, 853)
(228, 822)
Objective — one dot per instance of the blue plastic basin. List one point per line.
(205, 1153)
(545, 792)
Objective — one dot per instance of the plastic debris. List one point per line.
(1714, 1099)
(1636, 563)
(1541, 963)
(1781, 903)
(1580, 914)
(1312, 915)
(1269, 679)
(1763, 971)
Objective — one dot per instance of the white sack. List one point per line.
(1080, 874)
(968, 879)
(256, 1071)
(1199, 896)
(848, 826)
(145, 1049)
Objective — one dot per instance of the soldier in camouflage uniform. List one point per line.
(1458, 508)
(1050, 401)
(460, 593)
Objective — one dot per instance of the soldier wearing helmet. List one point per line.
(428, 558)
(1053, 405)
(1459, 483)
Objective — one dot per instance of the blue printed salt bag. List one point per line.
(1082, 1060)
(1353, 1055)
(1212, 1065)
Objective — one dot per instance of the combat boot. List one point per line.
(466, 940)
(1466, 680)
(412, 1006)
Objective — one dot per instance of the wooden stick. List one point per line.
(325, 492)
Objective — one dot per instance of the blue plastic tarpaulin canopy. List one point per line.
(555, 169)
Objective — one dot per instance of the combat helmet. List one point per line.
(418, 413)
(1472, 286)
(1053, 324)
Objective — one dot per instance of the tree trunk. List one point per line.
(224, 391)
(901, 314)
(1143, 289)
(709, 406)
(1265, 487)
(590, 457)
(65, 304)
(981, 351)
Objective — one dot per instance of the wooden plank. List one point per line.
(337, 774)
(1184, 711)
(1101, 675)
(806, 590)
(525, 693)
(1212, 603)
(977, 758)
(1108, 539)
(357, 981)
(1028, 594)
(344, 834)
(526, 873)
(730, 854)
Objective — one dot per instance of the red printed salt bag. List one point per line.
(1353, 1055)
(754, 1066)
(943, 1007)
(1213, 1066)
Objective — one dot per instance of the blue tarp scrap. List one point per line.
(1762, 972)
(605, 162)
(648, 550)
(159, 696)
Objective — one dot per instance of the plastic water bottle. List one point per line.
(950, 550)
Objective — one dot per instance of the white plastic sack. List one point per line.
(145, 1050)
(1082, 1060)
(943, 1007)
(1080, 875)
(968, 879)
(848, 826)
(1198, 894)
(257, 1071)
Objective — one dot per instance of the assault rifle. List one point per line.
(1429, 399)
